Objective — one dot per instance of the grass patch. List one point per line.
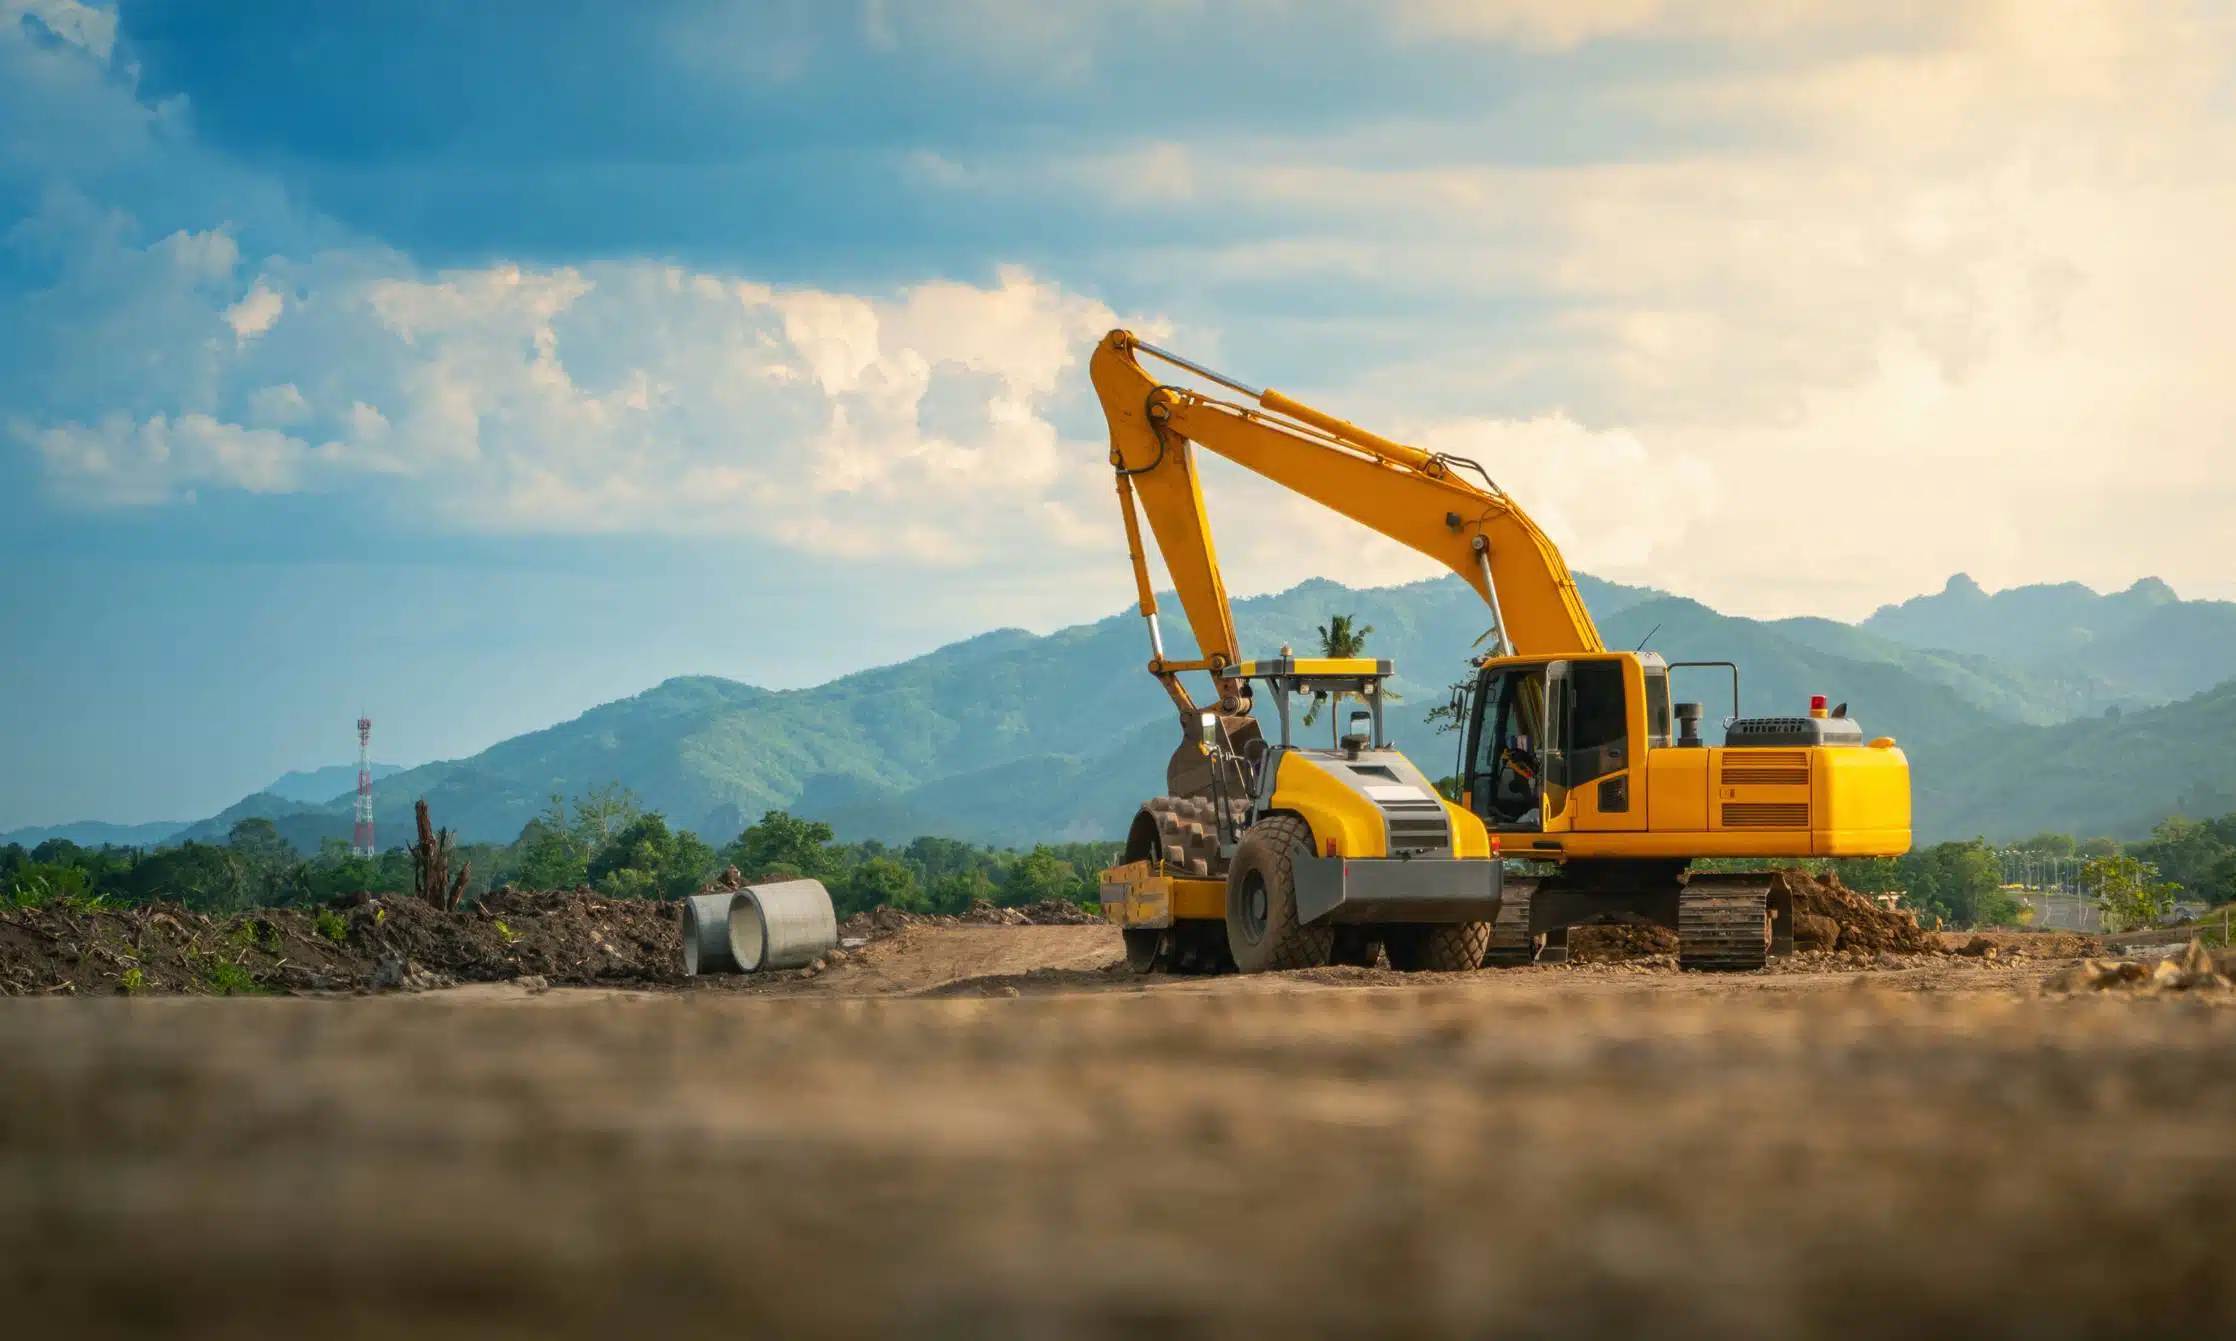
(331, 925)
(227, 978)
(506, 934)
(131, 982)
(252, 933)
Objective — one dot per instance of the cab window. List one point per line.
(1599, 727)
(1657, 707)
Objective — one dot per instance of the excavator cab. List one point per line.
(1585, 755)
(1553, 743)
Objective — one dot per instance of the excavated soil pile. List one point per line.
(1614, 943)
(1830, 916)
(2002, 945)
(2052, 944)
(365, 943)
(2196, 969)
(1046, 913)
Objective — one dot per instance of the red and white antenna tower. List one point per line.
(362, 842)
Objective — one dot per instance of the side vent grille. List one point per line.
(1766, 814)
(1417, 826)
(1766, 768)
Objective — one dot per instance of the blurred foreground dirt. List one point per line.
(1030, 1145)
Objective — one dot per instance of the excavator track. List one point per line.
(1512, 944)
(1723, 923)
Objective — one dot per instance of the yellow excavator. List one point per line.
(1272, 854)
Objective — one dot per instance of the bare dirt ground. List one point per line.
(964, 1131)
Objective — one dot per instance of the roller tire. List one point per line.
(1449, 947)
(1263, 934)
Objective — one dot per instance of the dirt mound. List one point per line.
(1861, 923)
(563, 937)
(1046, 913)
(2000, 945)
(1617, 942)
(2052, 944)
(2195, 969)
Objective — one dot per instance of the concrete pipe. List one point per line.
(785, 925)
(712, 929)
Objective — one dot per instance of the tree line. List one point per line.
(606, 841)
(1972, 883)
(603, 840)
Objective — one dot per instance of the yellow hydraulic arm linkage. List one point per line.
(1415, 497)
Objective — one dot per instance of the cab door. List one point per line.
(1505, 738)
(1597, 762)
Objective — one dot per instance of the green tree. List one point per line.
(2193, 854)
(35, 884)
(875, 883)
(205, 876)
(782, 845)
(645, 859)
(634, 860)
(2128, 892)
(257, 840)
(934, 859)
(549, 854)
(1040, 875)
(2049, 844)
(1959, 883)
(270, 873)
(2091, 848)
(691, 867)
(956, 891)
(1342, 639)
(1870, 875)
(603, 812)
(338, 870)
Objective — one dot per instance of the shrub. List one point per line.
(227, 978)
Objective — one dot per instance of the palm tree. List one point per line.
(1341, 640)
(1338, 639)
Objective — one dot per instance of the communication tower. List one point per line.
(362, 841)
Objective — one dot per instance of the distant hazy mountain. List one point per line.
(1012, 737)
(2144, 644)
(96, 833)
(317, 785)
(2114, 774)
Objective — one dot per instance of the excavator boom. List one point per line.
(1415, 497)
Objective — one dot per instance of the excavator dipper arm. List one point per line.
(1415, 497)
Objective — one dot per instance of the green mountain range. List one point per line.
(2144, 643)
(1013, 737)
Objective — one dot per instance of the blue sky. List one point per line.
(475, 364)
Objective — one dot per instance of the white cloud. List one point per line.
(1947, 284)
(255, 314)
(1950, 292)
(616, 397)
(118, 462)
(87, 26)
(281, 405)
